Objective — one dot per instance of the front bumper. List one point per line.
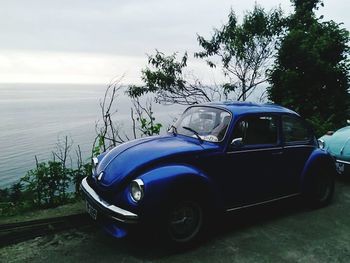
(106, 210)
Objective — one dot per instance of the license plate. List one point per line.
(340, 167)
(91, 211)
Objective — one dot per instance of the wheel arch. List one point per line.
(164, 185)
(319, 160)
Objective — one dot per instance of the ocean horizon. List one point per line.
(35, 116)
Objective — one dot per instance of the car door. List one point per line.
(253, 161)
(298, 144)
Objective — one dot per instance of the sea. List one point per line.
(35, 117)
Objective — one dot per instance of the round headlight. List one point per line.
(136, 190)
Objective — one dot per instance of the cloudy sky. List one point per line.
(93, 41)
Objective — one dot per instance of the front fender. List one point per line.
(319, 160)
(173, 181)
(166, 184)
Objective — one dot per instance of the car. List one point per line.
(217, 158)
(338, 145)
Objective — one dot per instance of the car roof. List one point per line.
(242, 108)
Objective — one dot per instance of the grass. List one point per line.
(63, 210)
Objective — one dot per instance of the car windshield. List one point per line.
(205, 123)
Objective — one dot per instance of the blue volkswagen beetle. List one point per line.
(217, 158)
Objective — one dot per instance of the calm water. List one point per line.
(34, 116)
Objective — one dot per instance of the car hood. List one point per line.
(122, 161)
(338, 144)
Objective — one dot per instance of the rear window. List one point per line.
(295, 130)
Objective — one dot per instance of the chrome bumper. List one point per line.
(111, 211)
(341, 161)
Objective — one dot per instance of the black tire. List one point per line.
(184, 222)
(322, 189)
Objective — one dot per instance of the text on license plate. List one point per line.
(91, 211)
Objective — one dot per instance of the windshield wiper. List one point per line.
(195, 132)
(174, 129)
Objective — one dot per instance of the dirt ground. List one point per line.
(283, 232)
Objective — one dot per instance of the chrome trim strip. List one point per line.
(261, 203)
(139, 182)
(120, 220)
(273, 148)
(299, 146)
(256, 150)
(88, 190)
(341, 161)
(142, 187)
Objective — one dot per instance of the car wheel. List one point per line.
(184, 222)
(322, 189)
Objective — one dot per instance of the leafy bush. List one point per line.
(148, 127)
(311, 70)
(322, 126)
(78, 175)
(47, 184)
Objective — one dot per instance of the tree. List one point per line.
(310, 74)
(243, 51)
(165, 78)
(109, 130)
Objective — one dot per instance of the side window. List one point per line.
(294, 130)
(256, 130)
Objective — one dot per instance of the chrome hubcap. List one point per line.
(185, 221)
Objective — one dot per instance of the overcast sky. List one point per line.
(93, 41)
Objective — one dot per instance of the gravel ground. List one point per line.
(282, 232)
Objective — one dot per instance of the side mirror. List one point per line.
(236, 143)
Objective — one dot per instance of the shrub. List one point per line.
(78, 174)
(47, 184)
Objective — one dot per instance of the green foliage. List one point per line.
(310, 74)
(77, 175)
(149, 128)
(305, 7)
(243, 50)
(235, 43)
(163, 75)
(98, 146)
(321, 126)
(4, 194)
(15, 192)
(47, 184)
(12, 199)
